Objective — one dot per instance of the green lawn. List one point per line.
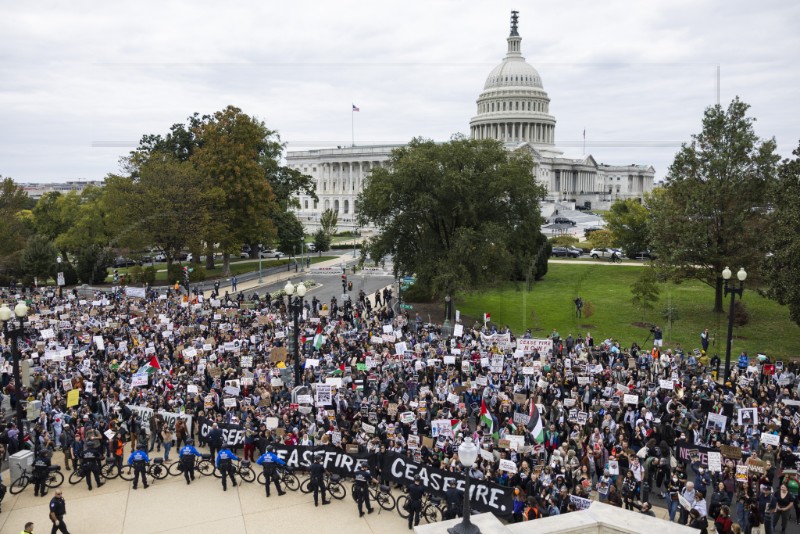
(239, 267)
(607, 287)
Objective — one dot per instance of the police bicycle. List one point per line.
(242, 468)
(432, 508)
(54, 479)
(202, 464)
(333, 484)
(381, 494)
(155, 469)
(285, 477)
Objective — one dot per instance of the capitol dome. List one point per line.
(514, 107)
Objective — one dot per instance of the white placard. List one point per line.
(508, 466)
(387, 329)
(272, 422)
(770, 439)
(407, 417)
(715, 462)
(458, 330)
(323, 394)
(139, 380)
(449, 360)
(666, 384)
(98, 340)
(229, 402)
(312, 362)
(192, 388)
(305, 399)
(631, 399)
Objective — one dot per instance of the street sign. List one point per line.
(409, 279)
(407, 306)
(61, 279)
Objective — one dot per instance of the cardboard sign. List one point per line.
(277, 354)
(734, 453)
(73, 398)
(508, 466)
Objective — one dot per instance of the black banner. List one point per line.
(334, 460)
(485, 496)
(232, 435)
(682, 449)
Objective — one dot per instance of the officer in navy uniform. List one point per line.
(58, 509)
(270, 462)
(361, 490)
(91, 466)
(225, 460)
(41, 469)
(415, 494)
(139, 460)
(454, 498)
(186, 456)
(317, 472)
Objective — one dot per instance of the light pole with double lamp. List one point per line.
(13, 328)
(467, 454)
(730, 288)
(295, 293)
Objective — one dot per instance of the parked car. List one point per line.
(122, 261)
(564, 252)
(311, 247)
(563, 220)
(576, 251)
(269, 253)
(641, 255)
(605, 252)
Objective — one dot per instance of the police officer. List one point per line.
(91, 466)
(58, 509)
(225, 460)
(41, 468)
(186, 458)
(139, 460)
(317, 472)
(454, 499)
(269, 462)
(361, 490)
(415, 494)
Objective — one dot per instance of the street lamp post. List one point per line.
(13, 329)
(731, 289)
(447, 328)
(59, 275)
(467, 454)
(295, 294)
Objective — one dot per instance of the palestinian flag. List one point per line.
(455, 425)
(534, 425)
(152, 366)
(486, 419)
(319, 339)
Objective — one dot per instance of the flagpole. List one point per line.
(352, 129)
(584, 141)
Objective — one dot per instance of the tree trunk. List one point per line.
(226, 264)
(209, 257)
(718, 296)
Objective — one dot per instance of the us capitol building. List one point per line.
(513, 108)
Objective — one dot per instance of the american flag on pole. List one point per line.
(355, 108)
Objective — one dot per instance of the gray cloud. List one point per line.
(83, 80)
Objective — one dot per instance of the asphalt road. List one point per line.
(331, 285)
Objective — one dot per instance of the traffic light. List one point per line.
(344, 283)
(116, 276)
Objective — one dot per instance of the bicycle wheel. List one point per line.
(75, 477)
(305, 486)
(385, 500)
(337, 491)
(261, 479)
(159, 471)
(205, 467)
(217, 473)
(109, 471)
(126, 473)
(54, 479)
(19, 484)
(291, 481)
(401, 504)
(247, 474)
(431, 513)
(175, 469)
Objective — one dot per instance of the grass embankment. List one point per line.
(606, 289)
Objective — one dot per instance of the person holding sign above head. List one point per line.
(317, 472)
(225, 460)
(269, 462)
(186, 457)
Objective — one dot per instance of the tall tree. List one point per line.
(328, 221)
(629, 223)
(14, 232)
(164, 203)
(38, 258)
(712, 210)
(232, 151)
(783, 260)
(459, 215)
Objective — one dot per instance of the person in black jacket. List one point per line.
(455, 500)
(317, 472)
(41, 467)
(415, 494)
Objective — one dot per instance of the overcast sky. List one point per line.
(82, 81)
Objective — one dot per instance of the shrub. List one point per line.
(417, 293)
(149, 275)
(175, 273)
(198, 274)
(740, 314)
(135, 274)
(564, 241)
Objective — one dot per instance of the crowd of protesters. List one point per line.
(631, 426)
